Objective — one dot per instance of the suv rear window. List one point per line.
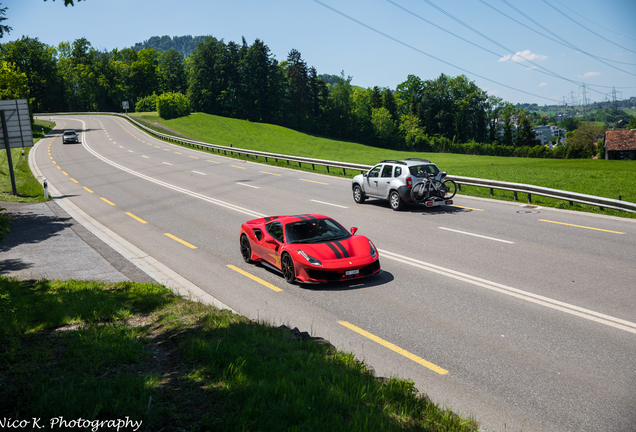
(423, 170)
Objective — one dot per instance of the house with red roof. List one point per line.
(620, 144)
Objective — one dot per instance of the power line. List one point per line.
(610, 30)
(567, 45)
(559, 37)
(591, 31)
(427, 54)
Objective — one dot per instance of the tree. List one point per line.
(298, 88)
(581, 143)
(37, 61)
(414, 134)
(254, 71)
(570, 123)
(13, 83)
(171, 72)
(383, 126)
(3, 28)
(525, 131)
(172, 105)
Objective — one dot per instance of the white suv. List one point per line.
(399, 182)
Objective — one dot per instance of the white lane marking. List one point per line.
(145, 156)
(330, 204)
(477, 235)
(120, 147)
(167, 163)
(197, 172)
(243, 184)
(514, 292)
(174, 187)
(131, 151)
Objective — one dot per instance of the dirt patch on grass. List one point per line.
(168, 130)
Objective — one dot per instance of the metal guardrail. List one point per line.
(516, 188)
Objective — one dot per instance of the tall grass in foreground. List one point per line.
(107, 351)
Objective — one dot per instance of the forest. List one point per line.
(205, 74)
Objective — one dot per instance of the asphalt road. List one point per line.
(524, 317)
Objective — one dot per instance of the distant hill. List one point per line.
(183, 44)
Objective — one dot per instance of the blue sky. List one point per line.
(536, 52)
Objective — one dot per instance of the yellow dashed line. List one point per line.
(468, 208)
(74, 180)
(178, 153)
(581, 226)
(88, 189)
(193, 157)
(254, 278)
(135, 217)
(105, 200)
(213, 161)
(238, 167)
(313, 181)
(64, 172)
(181, 241)
(265, 172)
(395, 348)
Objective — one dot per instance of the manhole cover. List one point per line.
(528, 211)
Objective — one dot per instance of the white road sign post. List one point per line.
(16, 130)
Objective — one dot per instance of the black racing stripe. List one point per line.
(334, 249)
(267, 219)
(309, 217)
(301, 217)
(342, 249)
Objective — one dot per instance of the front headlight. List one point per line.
(374, 253)
(311, 259)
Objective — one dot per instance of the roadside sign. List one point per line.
(18, 124)
(124, 105)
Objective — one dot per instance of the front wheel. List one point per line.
(246, 249)
(287, 266)
(396, 202)
(450, 189)
(358, 195)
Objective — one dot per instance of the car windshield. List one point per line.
(423, 170)
(69, 133)
(315, 231)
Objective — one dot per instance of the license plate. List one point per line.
(352, 272)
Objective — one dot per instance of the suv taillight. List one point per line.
(409, 182)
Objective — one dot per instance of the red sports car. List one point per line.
(309, 248)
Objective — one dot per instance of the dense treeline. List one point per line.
(450, 114)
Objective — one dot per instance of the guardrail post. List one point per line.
(529, 198)
(299, 165)
(492, 192)
(313, 167)
(459, 186)
(327, 168)
(344, 171)
(515, 195)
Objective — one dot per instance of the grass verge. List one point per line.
(610, 179)
(27, 186)
(101, 351)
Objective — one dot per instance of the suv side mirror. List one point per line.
(365, 174)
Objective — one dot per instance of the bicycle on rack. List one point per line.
(433, 190)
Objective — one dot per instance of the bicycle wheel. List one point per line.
(450, 189)
(419, 192)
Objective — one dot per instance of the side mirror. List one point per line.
(353, 230)
(443, 174)
(365, 174)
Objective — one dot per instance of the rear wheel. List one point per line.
(287, 266)
(358, 195)
(246, 249)
(396, 202)
(450, 189)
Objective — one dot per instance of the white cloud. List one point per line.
(526, 55)
(543, 84)
(590, 75)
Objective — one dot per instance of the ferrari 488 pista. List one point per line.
(309, 248)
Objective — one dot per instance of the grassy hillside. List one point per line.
(609, 179)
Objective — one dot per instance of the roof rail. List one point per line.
(418, 159)
(394, 161)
